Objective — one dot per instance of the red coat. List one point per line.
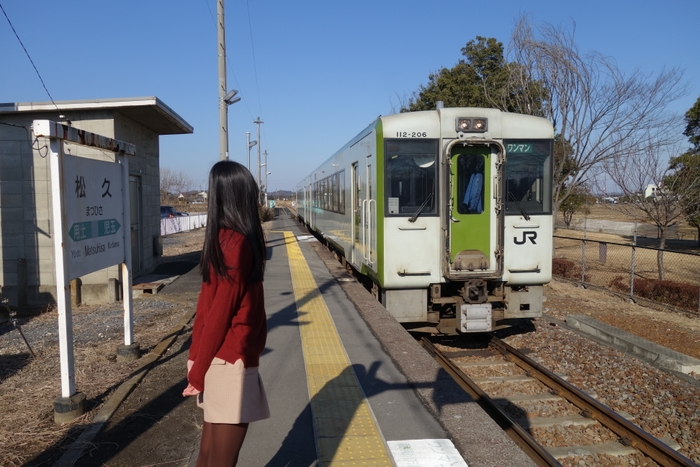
(230, 322)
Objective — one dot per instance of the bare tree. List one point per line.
(637, 176)
(172, 183)
(603, 114)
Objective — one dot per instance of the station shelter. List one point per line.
(27, 265)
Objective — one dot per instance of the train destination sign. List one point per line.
(519, 148)
(93, 200)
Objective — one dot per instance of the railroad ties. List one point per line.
(550, 419)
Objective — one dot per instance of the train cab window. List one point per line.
(470, 184)
(410, 177)
(528, 176)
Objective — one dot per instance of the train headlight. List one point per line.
(464, 124)
(480, 124)
(475, 125)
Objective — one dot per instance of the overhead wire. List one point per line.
(27, 130)
(29, 57)
(252, 48)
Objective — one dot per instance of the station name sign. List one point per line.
(93, 203)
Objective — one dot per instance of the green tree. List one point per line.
(686, 170)
(579, 200)
(692, 126)
(480, 79)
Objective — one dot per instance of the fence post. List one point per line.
(633, 260)
(583, 251)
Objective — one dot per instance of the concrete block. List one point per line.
(38, 187)
(128, 353)
(11, 186)
(7, 240)
(13, 200)
(14, 173)
(9, 148)
(660, 356)
(36, 253)
(67, 409)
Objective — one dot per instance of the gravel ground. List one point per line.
(661, 403)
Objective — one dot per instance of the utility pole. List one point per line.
(266, 174)
(258, 122)
(226, 98)
(223, 108)
(247, 147)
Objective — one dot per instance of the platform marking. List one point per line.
(344, 426)
(426, 453)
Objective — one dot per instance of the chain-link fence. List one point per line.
(623, 267)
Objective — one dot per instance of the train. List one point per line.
(446, 213)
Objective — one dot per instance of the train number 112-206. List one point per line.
(411, 134)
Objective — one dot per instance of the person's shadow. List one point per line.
(332, 410)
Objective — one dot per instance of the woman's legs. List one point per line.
(220, 445)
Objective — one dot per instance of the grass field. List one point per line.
(605, 256)
(685, 238)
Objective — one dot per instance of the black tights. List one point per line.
(220, 445)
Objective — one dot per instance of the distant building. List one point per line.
(650, 191)
(27, 265)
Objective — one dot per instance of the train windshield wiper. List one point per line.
(522, 210)
(415, 216)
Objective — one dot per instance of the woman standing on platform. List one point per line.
(230, 326)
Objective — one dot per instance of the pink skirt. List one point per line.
(233, 394)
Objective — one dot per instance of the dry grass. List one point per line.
(678, 267)
(29, 386)
(628, 213)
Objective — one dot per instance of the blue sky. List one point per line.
(315, 72)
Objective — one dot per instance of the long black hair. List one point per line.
(233, 204)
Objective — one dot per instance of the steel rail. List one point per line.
(629, 433)
(522, 438)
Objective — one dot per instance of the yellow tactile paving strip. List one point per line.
(346, 433)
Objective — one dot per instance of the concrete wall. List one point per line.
(27, 267)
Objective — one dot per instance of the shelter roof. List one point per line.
(150, 112)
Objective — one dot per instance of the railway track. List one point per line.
(554, 422)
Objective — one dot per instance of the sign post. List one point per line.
(90, 213)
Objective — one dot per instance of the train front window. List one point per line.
(410, 177)
(470, 183)
(528, 176)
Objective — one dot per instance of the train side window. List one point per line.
(470, 183)
(410, 178)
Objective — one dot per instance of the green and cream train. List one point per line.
(447, 212)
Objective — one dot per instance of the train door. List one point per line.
(475, 216)
(369, 206)
(311, 204)
(356, 211)
(307, 204)
(356, 198)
